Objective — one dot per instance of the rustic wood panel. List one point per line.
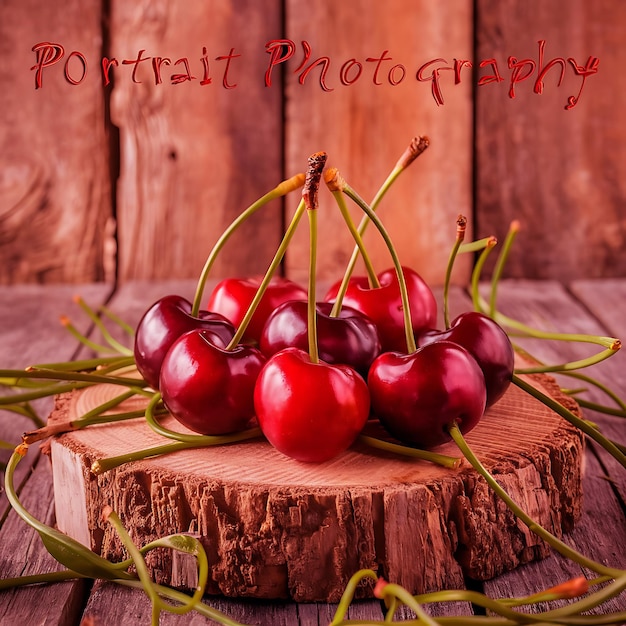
(55, 196)
(559, 172)
(194, 155)
(364, 127)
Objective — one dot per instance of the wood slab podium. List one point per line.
(276, 528)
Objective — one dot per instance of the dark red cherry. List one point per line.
(487, 342)
(351, 338)
(164, 322)
(208, 389)
(418, 396)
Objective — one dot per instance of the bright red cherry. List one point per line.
(310, 411)
(383, 305)
(351, 338)
(164, 322)
(418, 396)
(208, 389)
(232, 296)
(487, 342)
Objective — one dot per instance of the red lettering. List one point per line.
(378, 61)
(490, 78)
(157, 62)
(83, 61)
(206, 79)
(433, 78)
(346, 67)
(181, 78)
(228, 58)
(459, 64)
(542, 71)
(46, 54)
(591, 67)
(516, 75)
(136, 63)
(325, 63)
(106, 64)
(392, 73)
(280, 50)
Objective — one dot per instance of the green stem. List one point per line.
(341, 203)
(406, 310)
(280, 190)
(85, 341)
(271, 270)
(127, 328)
(64, 549)
(599, 385)
(414, 149)
(311, 301)
(541, 532)
(478, 245)
(500, 263)
(573, 419)
(97, 320)
(477, 272)
(461, 225)
(195, 440)
(444, 460)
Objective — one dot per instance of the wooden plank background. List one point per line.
(136, 180)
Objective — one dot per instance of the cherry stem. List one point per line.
(310, 198)
(573, 419)
(444, 460)
(404, 296)
(477, 271)
(97, 320)
(335, 183)
(500, 263)
(461, 226)
(271, 270)
(195, 440)
(311, 301)
(414, 149)
(532, 525)
(280, 190)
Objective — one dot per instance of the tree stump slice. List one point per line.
(275, 528)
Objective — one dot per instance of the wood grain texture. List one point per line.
(278, 529)
(55, 193)
(365, 127)
(194, 156)
(559, 172)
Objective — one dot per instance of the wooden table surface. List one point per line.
(30, 332)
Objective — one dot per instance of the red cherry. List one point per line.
(232, 296)
(383, 305)
(206, 388)
(310, 411)
(418, 396)
(487, 342)
(351, 338)
(164, 322)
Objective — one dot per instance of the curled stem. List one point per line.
(500, 263)
(461, 226)
(281, 189)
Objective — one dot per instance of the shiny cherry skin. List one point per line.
(351, 338)
(165, 321)
(232, 296)
(487, 342)
(311, 412)
(208, 389)
(383, 305)
(418, 396)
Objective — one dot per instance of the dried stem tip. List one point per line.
(334, 180)
(312, 181)
(414, 149)
(461, 225)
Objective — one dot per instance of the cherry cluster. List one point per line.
(311, 373)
